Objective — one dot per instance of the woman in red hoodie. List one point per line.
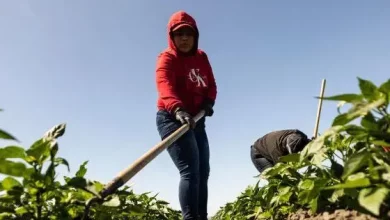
(186, 85)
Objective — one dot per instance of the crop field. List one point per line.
(355, 185)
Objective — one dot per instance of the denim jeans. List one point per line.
(190, 154)
(259, 161)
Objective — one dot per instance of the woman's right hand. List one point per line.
(185, 118)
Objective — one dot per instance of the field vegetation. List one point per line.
(357, 178)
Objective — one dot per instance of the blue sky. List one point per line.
(91, 64)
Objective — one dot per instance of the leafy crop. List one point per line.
(358, 177)
(30, 189)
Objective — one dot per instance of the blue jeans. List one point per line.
(190, 154)
(260, 162)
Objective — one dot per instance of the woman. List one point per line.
(186, 85)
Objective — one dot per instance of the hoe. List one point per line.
(126, 174)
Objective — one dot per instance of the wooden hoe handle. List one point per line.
(319, 108)
(126, 174)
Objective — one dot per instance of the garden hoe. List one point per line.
(126, 174)
(318, 114)
(319, 108)
(315, 132)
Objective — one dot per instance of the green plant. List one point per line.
(358, 177)
(30, 189)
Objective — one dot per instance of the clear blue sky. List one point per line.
(91, 64)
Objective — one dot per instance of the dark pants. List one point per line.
(259, 161)
(190, 154)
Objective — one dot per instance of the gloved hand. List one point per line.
(185, 118)
(208, 107)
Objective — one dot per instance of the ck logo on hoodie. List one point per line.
(195, 77)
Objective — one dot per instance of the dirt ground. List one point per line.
(340, 214)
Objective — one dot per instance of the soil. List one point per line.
(339, 214)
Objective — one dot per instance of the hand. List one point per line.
(208, 108)
(185, 118)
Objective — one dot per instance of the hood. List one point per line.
(178, 18)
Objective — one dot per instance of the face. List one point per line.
(184, 39)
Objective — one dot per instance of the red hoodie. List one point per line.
(184, 81)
